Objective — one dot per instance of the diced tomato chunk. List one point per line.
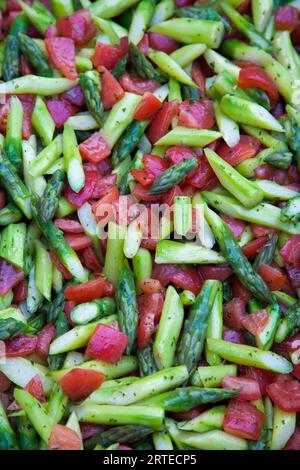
(178, 153)
(61, 52)
(94, 149)
(239, 291)
(273, 277)
(261, 230)
(68, 225)
(160, 42)
(252, 248)
(196, 114)
(263, 377)
(60, 110)
(150, 307)
(243, 420)
(64, 271)
(236, 226)
(151, 286)
(64, 438)
(256, 77)
(45, 338)
(290, 251)
(138, 85)
(78, 199)
(106, 55)
(189, 279)
(233, 313)
(221, 273)
(87, 291)
(143, 45)
(20, 291)
(19, 346)
(294, 442)
(248, 387)
(90, 260)
(104, 208)
(293, 279)
(35, 388)
(28, 102)
(78, 27)
(142, 193)
(78, 384)
(111, 90)
(5, 383)
(199, 77)
(285, 393)
(256, 322)
(78, 241)
(159, 126)
(147, 108)
(296, 371)
(90, 429)
(106, 344)
(286, 18)
(246, 148)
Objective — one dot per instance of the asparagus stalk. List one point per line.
(35, 185)
(62, 8)
(215, 326)
(39, 19)
(72, 159)
(13, 243)
(10, 214)
(187, 54)
(290, 324)
(88, 311)
(284, 424)
(42, 121)
(35, 56)
(250, 356)
(168, 251)
(147, 364)
(8, 439)
(13, 138)
(43, 270)
(46, 157)
(32, 84)
(162, 441)
(182, 214)
(140, 20)
(195, 327)
(27, 435)
(206, 421)
(163, 11)
(261, 12)
(266, 255)
(142, 267)
(168, 65)
(199, 13)
(213, 440)
(291, 211)
(57, 405)
(120, 434)
(114, 252)
(228, 127)
(187, 136)
(108, 9)
(89, 83)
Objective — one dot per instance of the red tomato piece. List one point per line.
(261, 230)
(69, 305)
(106, 344)
(248, 388)
(44, 339)
(246, 148)
(90, 260)
(286, 18)
(252, 248)
(68, 225)
(104, 208)
(256, 77)
(60, 110)
(292, 343)
(293, 174)
(178, 153)
(263, 377)
(273, 277)
(64, 271)
(109, 289)
(290, 251)
(78, 27)
(189, 279)
(243, 420)
(64, 438)
(5, 383)
(143, 45)
(142, 177)
(196, 114)
(190, 414)
(147, 108)
(168, 198)
(20, 291)
(106, 55)
(150, 308)
(285, 393)
(9, 276)
(74, 96)
(51, 31)
(233, 313)
(256, 322)
(236, 226)
(87, 291)
(111, 90)
(2, 198)
(78, 384)
(296, 371)
(159, 126)
(78, 199)
(221, 273)
(78, 241)
(19, 346)
(201, 176)
(151, 286)
(294, 442)
(233, 337)
(142, 193)
(123, 447)
(154, 165)
(160, 42)
(238, 290)
(28, 102)
(94, 149)
(138, 85)
(35, 388)
(24, 67)
(198, 77)
(61, 52)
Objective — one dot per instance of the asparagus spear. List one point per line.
(200, 13)
(11, 49)
(8, 439)
(49, 201)
(13, 243)
(168, 65)
(192, 340)
(13, 138)
(266, 255)
(143, 66)
(10, 214)
(89, 83)
(39, 18)
(72, 159)
(291, 211)
(35, 56)
(56, 361)
(27, 435)
(172, 176)
(213, 440)
(127, 306)
(33, 84)
(290, 324)
(88, 311)
(42, 121)
(215, 326)
(121, 434)
(168, 251)
(147, 364)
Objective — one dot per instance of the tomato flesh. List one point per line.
(285, 393)
(61, 53)
(94, 149)
(64, 438)
(106, 344)
(248, 387)
(19, 346)
(234, 312)
(87, 291)
(111, 90)
(243, 420)
(78, 384)
(147, 108)
(45, 338)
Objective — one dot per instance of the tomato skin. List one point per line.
(64, 271)
(78, 199)
(159, 126)
(263, 377)
(256, 77)
(294, 442)
(138, 85)
(290, 251)
(35, 388)
(246, 148)
(94, 149)
(19, 346)
(64, 438)
(143, 45)
(220, 273)
(201, 176)
(150, 286)
(190, 414)
(198, 77)
(293, 279)
(111, 90)
(142, 193)
(154, 165)
(78, 27)
(285, 393)
(273, 277)
(78, 241)
(5, 383)
(238, 290)
(147, 108)
(45, 338)
(164, 272)
(68, 225)
(90, 260)
(252, 248)
(160, 42)
(296, 371)
(20, 291)
(150, 307)
(196, 114)
(178, 153)
(249, 388)
(256, 322)
(168, 198)
(286, 18)
(60, 110)
(78, 384)
(104, 208)
(236, 226)
(87, 291)
(189, 279)
(106, 55)
(233, 313)
(243, 420)
(261, 231)
(106, 344)
(61, 52)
